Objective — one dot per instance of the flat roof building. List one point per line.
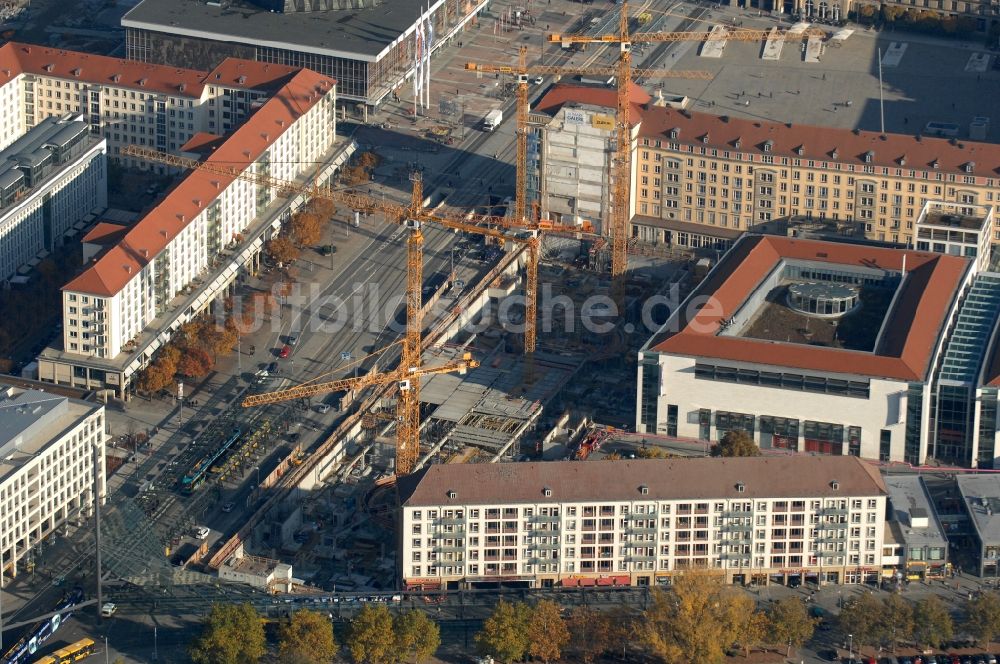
(572, 523)
(980, 496)
(866, 378)
(957, 230)
(921, 537)
(51, 448)
(368, 47)
(50, 178)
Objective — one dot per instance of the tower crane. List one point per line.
(413, 216)
(522, 71)
(622, 160)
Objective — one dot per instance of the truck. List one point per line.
(493, 119)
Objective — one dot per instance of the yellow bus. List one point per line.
(74, 652)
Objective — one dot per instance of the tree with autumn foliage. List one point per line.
(590, 633)
(322, 208)
(305, 228)
(194, 363)
(736, 443)
(547, 632)
(282, 250)
(695, 621)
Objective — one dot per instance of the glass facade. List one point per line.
(824, 437)
(649, 396)
(987, 427)
(779, 432)
(725, 421)
(914, 412)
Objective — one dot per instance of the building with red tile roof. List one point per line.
(726, 174)
(453, 517)
(741, 354)
(131, 102)
(133, 284)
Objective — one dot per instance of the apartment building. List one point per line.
(201, 223)
(50, 178)
(570, 523)
(128, 102)
(49, 446)
(700, 179)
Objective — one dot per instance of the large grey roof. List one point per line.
(909, 498)
(981, 494)
(342, 33)
(666, 479)
(31, 420)
(22, 414)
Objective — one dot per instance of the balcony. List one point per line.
(736, 528)
(639, 558)
(832, 511)
(449, 549)
(736, 514)
(633, 530)
(543, 518)
(635, 516)
(449, 521)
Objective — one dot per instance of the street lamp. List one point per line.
(850, 647)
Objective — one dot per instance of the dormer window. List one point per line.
(934, 164)
(835, 485)
(547, 492)
(674, 133)
(740, 487)
(768, 144)
(644, 490)
(704, 139)
(902, 160)
(241, 80)
(452, 495)
(970, 166)
(834, 154)
(800, 150)
(869, 156)
(737, 143)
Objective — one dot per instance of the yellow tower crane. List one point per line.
(413, 216)
(622, 160)
(523, 71)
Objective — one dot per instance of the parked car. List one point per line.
(108, 609)
(323, 408)
(201, 532)
(293, 339)
(285, 352)
(273, 368)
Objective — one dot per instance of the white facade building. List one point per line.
(860, 384)
(50, 178)
(128, 102)
(108, 308)
(957, 230)
(572, 144)
(571, 523)
(48, 446)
